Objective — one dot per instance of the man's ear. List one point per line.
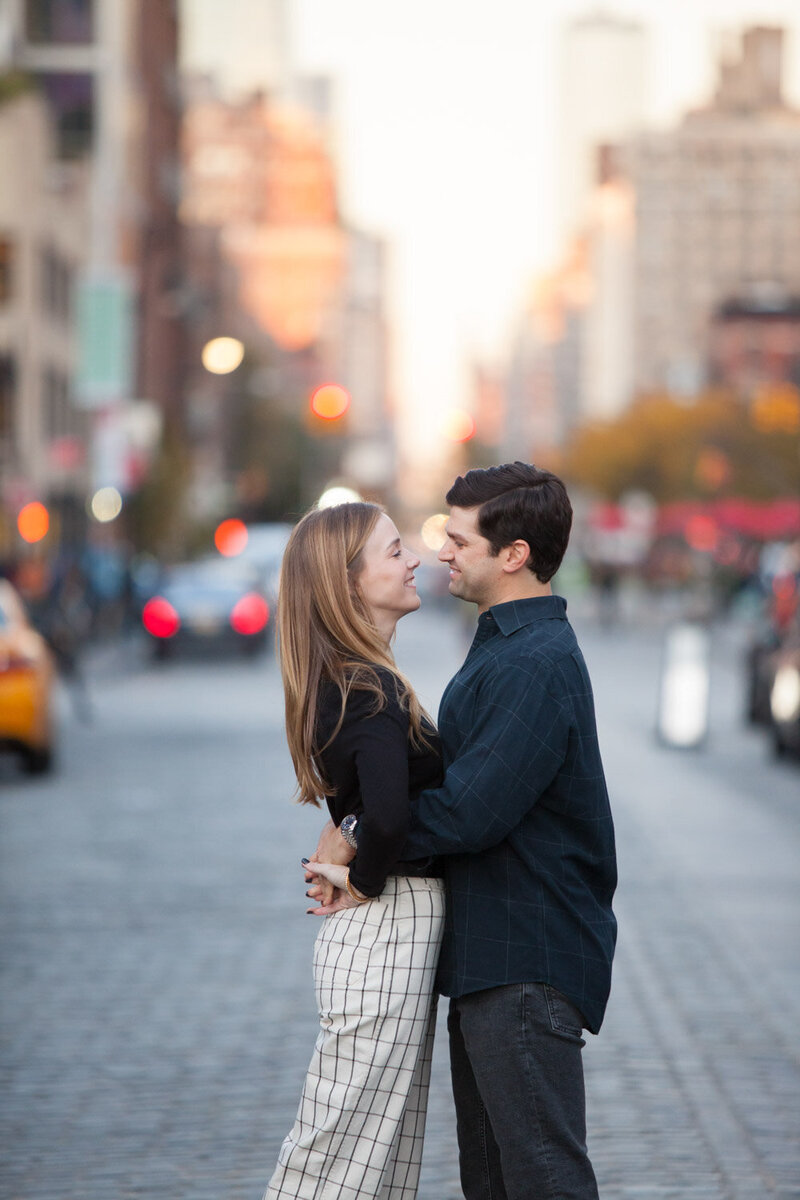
(516, 556)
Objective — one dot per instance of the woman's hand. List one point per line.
(328, 887)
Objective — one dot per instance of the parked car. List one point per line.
(27, 681)
(210, 602)
(759, 674)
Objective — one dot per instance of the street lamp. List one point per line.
(222, 355)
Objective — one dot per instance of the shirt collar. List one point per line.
(511, 616)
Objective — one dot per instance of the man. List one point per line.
(523, 825)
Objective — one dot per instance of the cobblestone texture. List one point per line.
(157, 1009)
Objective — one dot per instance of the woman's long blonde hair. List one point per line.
(326, 632)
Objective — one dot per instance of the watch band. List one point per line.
(348, 830)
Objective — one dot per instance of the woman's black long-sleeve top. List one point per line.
(377, 774)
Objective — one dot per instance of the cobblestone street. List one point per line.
(157, 1006)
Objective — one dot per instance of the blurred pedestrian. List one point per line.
(523, 825)
(359, 738)
(66, 622)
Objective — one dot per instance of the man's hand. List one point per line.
(331, 848)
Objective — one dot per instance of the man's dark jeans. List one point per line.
(515, 1056)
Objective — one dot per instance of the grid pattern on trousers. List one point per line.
(361, 1120)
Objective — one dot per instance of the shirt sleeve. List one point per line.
(512, 753)
(379, 744)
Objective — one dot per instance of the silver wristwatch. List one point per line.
(348, 830)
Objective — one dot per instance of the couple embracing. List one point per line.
(476, 860)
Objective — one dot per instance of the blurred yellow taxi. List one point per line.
(27, 679)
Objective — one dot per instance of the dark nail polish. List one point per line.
(304, 861)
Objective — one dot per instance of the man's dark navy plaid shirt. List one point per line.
(523, 817)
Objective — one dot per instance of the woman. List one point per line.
(359, 738)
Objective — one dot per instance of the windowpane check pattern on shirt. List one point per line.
(523, 815)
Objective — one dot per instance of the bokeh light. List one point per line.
(458, 425)
(159, 618)
(230, 537)
(337, 495)
(33, 522)
(250, 614)
(330, 401)
(432, 531)
(222, 355)
(702, 533)
(105, 505)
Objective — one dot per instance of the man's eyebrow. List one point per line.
(454, 533)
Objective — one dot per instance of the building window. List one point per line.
(6, 270)
(56, 285)
(64, 22)
(8, 384)
(70, 97)
(55, 404)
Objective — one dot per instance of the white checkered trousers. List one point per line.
(361, 1120)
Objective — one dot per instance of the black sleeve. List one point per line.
(379, 744)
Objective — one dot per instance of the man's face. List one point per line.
(474, 574)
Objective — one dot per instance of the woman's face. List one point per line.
(386, 579)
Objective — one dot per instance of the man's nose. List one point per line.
(446, 553)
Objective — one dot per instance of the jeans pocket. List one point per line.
(565, 1018)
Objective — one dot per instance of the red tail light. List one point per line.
(250, 614)
(160, 619)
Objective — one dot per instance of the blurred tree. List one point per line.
(679, 451)
(271, 453)
(157, 520)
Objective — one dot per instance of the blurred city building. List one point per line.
(603, 73)
(44, 224)
(542, 381)
(354, 349)
(606, 333)
(94, 204)
(683, 265)
(717, 213)
(261, 174)
(312, 290)
(755, 342)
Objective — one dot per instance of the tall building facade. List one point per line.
(43, 237)
(606, 335)
(602, 101)
(355, 352)
(717, 213)
(261, 174)
(103, 124)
